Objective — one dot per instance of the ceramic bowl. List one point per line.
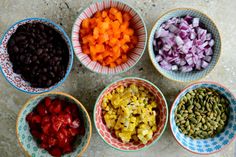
(209, 25)
(209, 145)
(28, 143)
(6, 66)
(113, 141)
(137, 23)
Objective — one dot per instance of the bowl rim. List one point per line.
(71, 53)
(150, 49)
(173, 104)
(53, 93)
(140, 79)
(145, 42)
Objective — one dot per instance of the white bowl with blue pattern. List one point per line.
(209, 25)
(209, 145)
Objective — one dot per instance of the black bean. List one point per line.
(16, 49)
(41, 26)
(20, 38)
(39, 52)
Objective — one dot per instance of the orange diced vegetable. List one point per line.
(126, 17)
(85, 23)
(125, 48)
(112, 65)
(119, 17)
(96, 32)
(107, 37)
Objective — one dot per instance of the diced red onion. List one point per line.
(208, 36)
(174, 67)
(204, 64)
(196, 22)
(211, 42)
(182, 44)
(186, 68)
(207, 58)
(179, 41)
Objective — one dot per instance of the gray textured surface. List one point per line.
(86, 86)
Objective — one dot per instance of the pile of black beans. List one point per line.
(39, 54)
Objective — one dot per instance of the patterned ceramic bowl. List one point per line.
(210, 145)
(113, 141)
(209, 25)
(6, 66)
(25, 139)
(135, 54)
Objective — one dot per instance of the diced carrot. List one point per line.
(124, 58)
(104, 26)
(112, 65)
(98, 14)
(113, 11)
(119, 17)
(126, 38)
(124, 26)
(129, 32)
(116, 52)
(104, 14)
(126, 17)
(96, 32)
(85, 49)
(115, 25)
(100, 48)
(108, 60)
(103, 38)
(125, 48)
(119, 61)
(85, 23)
(113, 41)
(107, 37)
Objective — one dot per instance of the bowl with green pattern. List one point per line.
(31, 145)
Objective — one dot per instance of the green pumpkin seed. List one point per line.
(202, 113)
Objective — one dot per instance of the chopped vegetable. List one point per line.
(107, 37)
(182, 44)
(130, 112)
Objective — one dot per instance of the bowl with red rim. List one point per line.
(106, 134)
(31, 145)
(212, 144)
(134, 54)
(6, 66)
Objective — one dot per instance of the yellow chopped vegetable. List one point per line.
(131, 113)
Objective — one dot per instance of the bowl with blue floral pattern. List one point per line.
(212, 144)
(30, 145)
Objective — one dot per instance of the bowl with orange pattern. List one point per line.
(107, 52)
(109, 135)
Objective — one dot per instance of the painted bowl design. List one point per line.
(6, 66)
(26, 140)
(209, 25)
(210, 145)
(113, 141)
(135, 54)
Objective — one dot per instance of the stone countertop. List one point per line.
(86, 86)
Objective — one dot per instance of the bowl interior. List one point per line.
(110, 138)
(210, 145)
(27, 141)
(137, 23)
(209, 25)
(7, 68)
